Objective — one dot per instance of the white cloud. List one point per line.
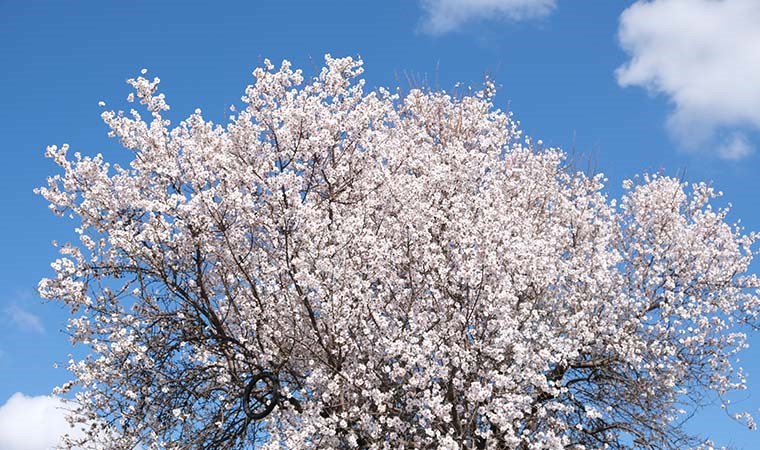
(443, 16)
(735, 147)
(24, 319)
(32, 423)
(39, 423)
(704, 55)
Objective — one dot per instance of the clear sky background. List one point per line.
(648, 85)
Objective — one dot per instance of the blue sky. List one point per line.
(636, 85)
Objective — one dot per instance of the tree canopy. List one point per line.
(339, 267)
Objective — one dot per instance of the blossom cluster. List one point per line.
(407, 269)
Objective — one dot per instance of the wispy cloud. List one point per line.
(444, 16)
(23, 319)
(736, 147)
(704, 56)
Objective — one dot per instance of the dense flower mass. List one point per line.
(347, 268)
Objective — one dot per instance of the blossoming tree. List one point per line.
(347, 268)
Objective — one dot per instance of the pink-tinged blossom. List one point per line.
(389, 271)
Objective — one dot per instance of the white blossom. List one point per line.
(394, 271)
